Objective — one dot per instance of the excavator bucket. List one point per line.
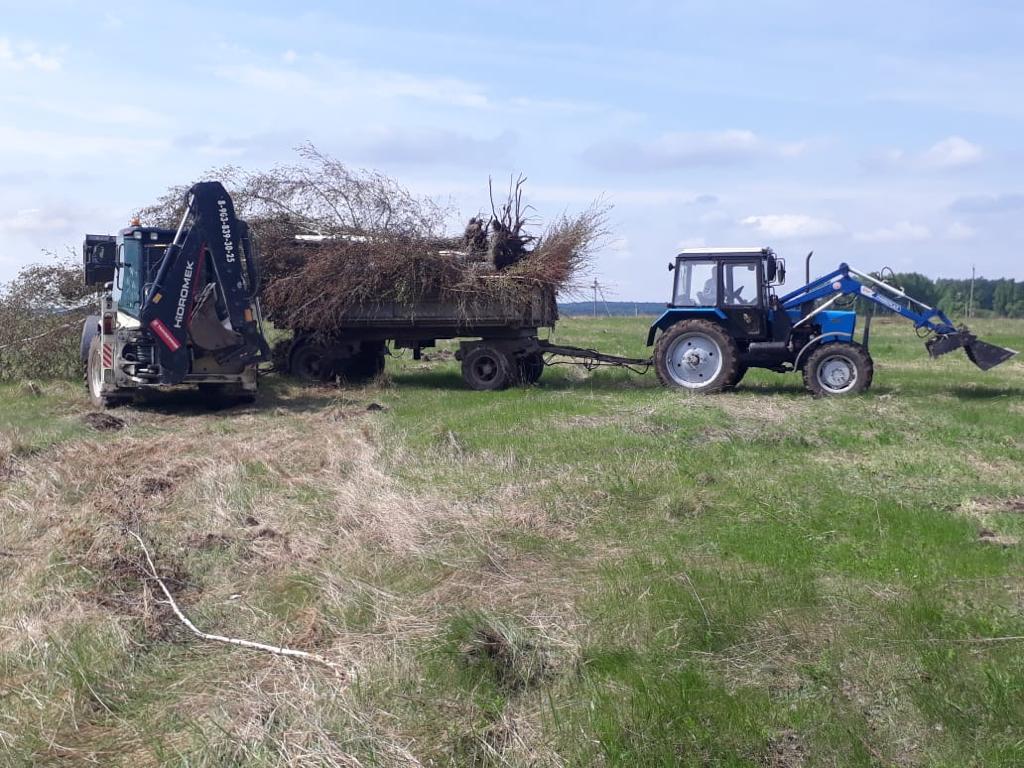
(981, 353)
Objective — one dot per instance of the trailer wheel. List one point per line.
(309, 362)
(698, 355)
(363, 366)
(530, 367)
(838, 368)
(485, 368)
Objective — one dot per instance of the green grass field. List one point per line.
(592, 571)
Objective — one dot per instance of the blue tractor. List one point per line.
(727, 317)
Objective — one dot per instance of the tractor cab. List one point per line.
(734, 284)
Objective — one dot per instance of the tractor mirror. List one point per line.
(671, 266)
(780, 272)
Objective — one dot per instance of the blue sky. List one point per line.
(875, 133)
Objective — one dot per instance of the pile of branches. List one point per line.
(42, 311)
(333, 240)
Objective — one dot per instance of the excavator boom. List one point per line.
(179, 308)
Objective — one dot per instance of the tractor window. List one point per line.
(696, 284)
(740, 285)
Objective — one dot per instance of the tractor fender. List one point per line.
(673, 315)
(90, 329)
(817, 341)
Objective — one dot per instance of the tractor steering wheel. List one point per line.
(736, 298)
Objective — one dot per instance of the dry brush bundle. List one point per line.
(334, 240)
(41, 314)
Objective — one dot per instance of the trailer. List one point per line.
(500, 344)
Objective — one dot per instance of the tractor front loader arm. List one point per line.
(943, 336)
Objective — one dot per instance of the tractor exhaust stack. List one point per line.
(981, 353)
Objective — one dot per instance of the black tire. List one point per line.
(838, 368)
(741, 371)
(697, 355)
(530, 368)
(486, 369)
(365, 365)
(310, 362)
(90, 330)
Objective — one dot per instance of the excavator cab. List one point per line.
(139, 253)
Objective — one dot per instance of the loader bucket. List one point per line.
(985, 355)
(981, 353)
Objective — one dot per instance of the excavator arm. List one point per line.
(180, 307)
(942, 335)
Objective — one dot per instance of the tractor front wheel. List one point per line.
(697, 355)
(838, 368)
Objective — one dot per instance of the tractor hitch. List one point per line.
(981, 353)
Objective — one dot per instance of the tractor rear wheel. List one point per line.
(697, 355)
(741, 371)
(838, 368)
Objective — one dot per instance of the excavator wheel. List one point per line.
(697, 355)
(838, 368)
(94, 378)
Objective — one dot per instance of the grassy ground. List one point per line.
(591, 571)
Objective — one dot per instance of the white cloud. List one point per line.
(960, 231)
(26, 56)
(902, 231)
(55, 145)
(952, 152)
(289, 57)
(947, 154)
(787, 225)
(339, 81)
(33, 221)
(690, 149)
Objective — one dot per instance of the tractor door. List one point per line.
(742, 298)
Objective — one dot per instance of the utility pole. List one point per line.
(970, 299)
(596, 286)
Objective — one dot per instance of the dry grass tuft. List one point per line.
(513, 654)
(291, 540)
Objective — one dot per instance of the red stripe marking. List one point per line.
(165, 335)
(108, 356)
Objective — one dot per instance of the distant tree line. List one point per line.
(1000, 298)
